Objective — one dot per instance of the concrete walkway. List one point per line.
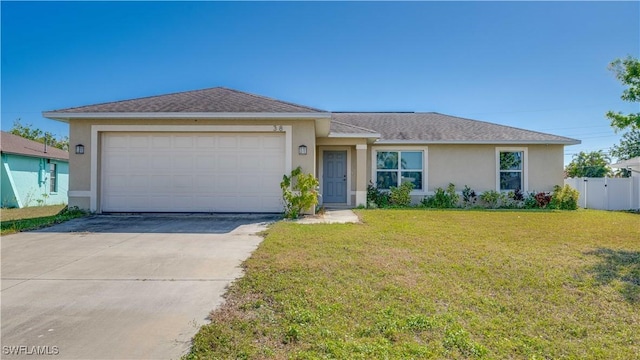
(114, 287)
(342, 216)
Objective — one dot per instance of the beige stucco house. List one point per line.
(222, 150)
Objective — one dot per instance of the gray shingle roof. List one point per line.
(391, 127)
(213, 100)
(14, 144)
(338, 127)
(439, 128)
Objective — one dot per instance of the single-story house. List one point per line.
(222, 150)
(632, 164)
(32, 174)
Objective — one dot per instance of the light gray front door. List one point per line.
(334, 177)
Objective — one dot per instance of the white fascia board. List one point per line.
(478, 142)
(183, 115)
(362, 135)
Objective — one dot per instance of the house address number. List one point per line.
(277, 128)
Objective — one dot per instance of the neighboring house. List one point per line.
(31, 174)
(632, 164)
(222, 150)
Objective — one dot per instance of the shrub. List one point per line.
(565, 198)
(376, 198)
(491, 198)
(299, 192)
(530, 201)
(516, 195)
(400, 196)
(469, 196)
(442, 199)
(543, 199)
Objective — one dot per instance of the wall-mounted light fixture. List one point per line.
(80, 149)
(302, 150)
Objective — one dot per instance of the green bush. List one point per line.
(400, 196)
(376, 198)
(565, 198)
(491, 198)
(442, 199)
(299, 192)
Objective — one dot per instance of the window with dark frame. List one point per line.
(53, 177)
(396, 167)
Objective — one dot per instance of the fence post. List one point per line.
(606, 193)
(584, 187)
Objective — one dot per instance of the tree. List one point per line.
(593, 164)
(628, 72)
(29, 132)
(628, 148)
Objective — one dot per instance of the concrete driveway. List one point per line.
(119, 287)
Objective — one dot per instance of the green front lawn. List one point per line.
(438, 284)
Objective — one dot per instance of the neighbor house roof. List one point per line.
(218, 100)
(633, 163)
(14, 144)
(438, 128)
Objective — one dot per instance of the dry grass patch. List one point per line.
(437, 284)
(31, 218)
(30, 212)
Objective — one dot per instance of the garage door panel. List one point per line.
(138, 181)
(138, 142)
(205, 163)
(183, 141)
(227, 161)
(205, 142)
(183, 183)
(249, 163)
(226, 184)
(228, 142)
(161, 142)
(192, 172)
(139, 161)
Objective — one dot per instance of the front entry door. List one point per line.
(334, 177)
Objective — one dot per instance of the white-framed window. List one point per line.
(53, 177)
(394, 167)
(511, 164)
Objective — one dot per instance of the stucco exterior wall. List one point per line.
(476, 166)
(26, 181)
(472, 165)
(546, 167)
(303, 133)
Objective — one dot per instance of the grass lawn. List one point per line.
(438, 284)
(35, 217)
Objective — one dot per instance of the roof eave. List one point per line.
(66, 116)
(480, 142)
(43, 155)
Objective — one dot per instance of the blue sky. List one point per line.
(535, 65)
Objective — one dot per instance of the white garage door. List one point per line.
(192, 172)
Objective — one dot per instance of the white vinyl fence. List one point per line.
(607, 193)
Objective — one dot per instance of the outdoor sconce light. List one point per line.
(80, 149)
(302, 150)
